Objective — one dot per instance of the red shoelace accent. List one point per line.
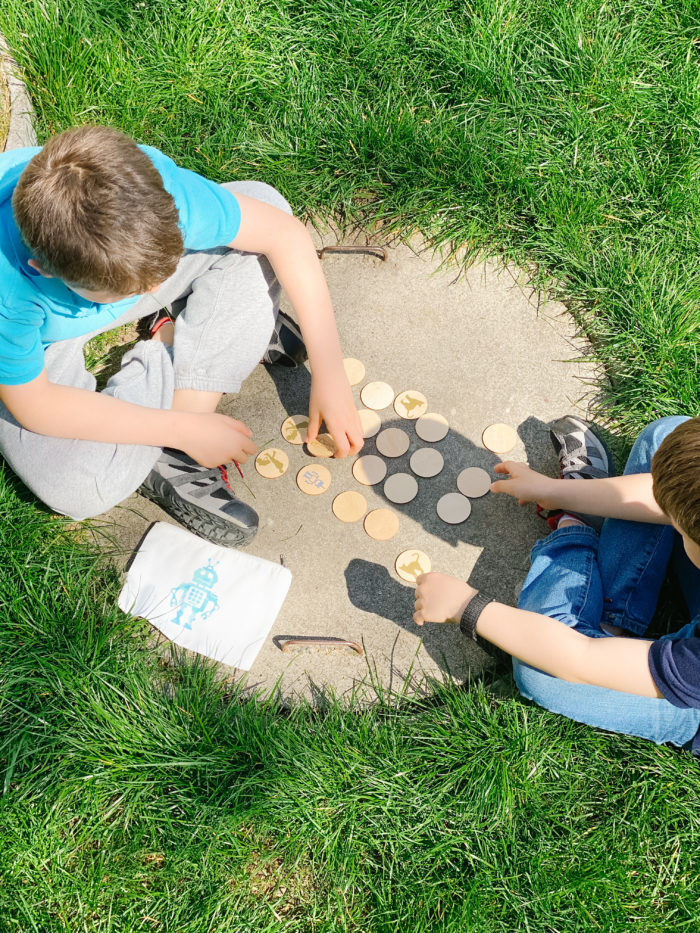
(224, 476)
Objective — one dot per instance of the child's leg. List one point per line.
(565, 582)
(229, 316)
(85, 478)
(634, 556)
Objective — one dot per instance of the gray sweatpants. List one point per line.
(227, 302)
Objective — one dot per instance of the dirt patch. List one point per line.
(4, 111)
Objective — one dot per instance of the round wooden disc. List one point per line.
(410, 404)
(432, 427)
(349, 506)
(323, 446)
(294, 428)
(272, 462)
(426, 461)
(377, 395)
(474, 482)
(381, 524)
(369, 470)
(411, 564)
(499, 438)
(313, 479)
(370, 421)
(354, 370)
(401, 488)
(454, 508)
(393, 442)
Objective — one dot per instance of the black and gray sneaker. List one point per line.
(582, 455)
(200, 499)
(286, 346)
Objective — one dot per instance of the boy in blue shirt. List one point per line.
(96, 232)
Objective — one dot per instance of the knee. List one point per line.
(650, 440)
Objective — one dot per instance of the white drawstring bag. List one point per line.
(214, 600)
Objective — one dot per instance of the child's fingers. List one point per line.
(342, 445)
(418, 618)
(314, 425)
(501, 468)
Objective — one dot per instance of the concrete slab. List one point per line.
(482, 349)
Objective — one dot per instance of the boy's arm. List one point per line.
(544, 643)
(286, 243)
(628, 497)
(62, 411)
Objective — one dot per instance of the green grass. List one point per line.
(139, 795)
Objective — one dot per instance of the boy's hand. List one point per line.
(440, 598)
(331, 401)
(214, 439)
(525, 484)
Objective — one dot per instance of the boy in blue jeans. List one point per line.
(601, 579)
(96, 232)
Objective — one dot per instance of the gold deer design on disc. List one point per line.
(410, 404)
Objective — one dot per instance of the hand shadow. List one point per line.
(370, 587)
(501, 532)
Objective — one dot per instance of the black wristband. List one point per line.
(470, 616)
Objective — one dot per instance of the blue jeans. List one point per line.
(583, 580)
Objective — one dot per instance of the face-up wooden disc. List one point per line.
(432, 427)
(410, 404)
(294, 428)
(377, 395)
(370, 421)
(473, 482)
(349, 506)
(401, 488)
(392, 442)
(369, 470)
(323, 446)
(272, 462)
(313, 479)
(354, 370)
(411, 564)
(381, 524)
(499, 438)
(426, 461)
(454, 508)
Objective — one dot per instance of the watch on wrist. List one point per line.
(470, 616)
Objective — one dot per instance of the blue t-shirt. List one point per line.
(674, 664)
(36, 311)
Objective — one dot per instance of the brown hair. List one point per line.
(675, 472)
(92, 208)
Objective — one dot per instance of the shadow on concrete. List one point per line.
(493, 528)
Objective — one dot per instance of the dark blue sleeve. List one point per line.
(674, 664)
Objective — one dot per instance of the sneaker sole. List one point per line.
(196, 519)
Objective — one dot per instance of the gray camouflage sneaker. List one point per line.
(286, 346)
(200, 499)
(582, 455)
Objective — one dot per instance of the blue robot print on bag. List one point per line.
(196, 599)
